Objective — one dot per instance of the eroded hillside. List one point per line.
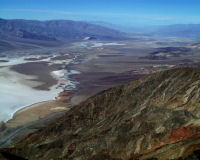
(156, 116)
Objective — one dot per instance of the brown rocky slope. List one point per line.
(155, 117)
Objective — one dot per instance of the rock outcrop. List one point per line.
(154, 117)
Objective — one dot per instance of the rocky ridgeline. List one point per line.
(155, 117)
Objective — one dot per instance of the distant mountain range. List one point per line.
(182, 30)
(21, 34)
(179, 30)
(57, 30)
(68, 30)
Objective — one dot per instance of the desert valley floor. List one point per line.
(48, 80)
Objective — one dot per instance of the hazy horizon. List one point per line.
(126, 12)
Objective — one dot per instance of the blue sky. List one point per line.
(121, 12)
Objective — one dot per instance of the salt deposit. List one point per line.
(16, 94)
(96, 44)
(17, 90)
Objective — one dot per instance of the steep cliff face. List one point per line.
(155, 117)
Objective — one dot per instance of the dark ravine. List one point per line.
(154, 117)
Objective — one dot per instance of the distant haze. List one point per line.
(126, 12)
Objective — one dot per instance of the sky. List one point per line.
(120, 12)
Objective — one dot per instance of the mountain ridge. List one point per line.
(156, 116)
(57, 30)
